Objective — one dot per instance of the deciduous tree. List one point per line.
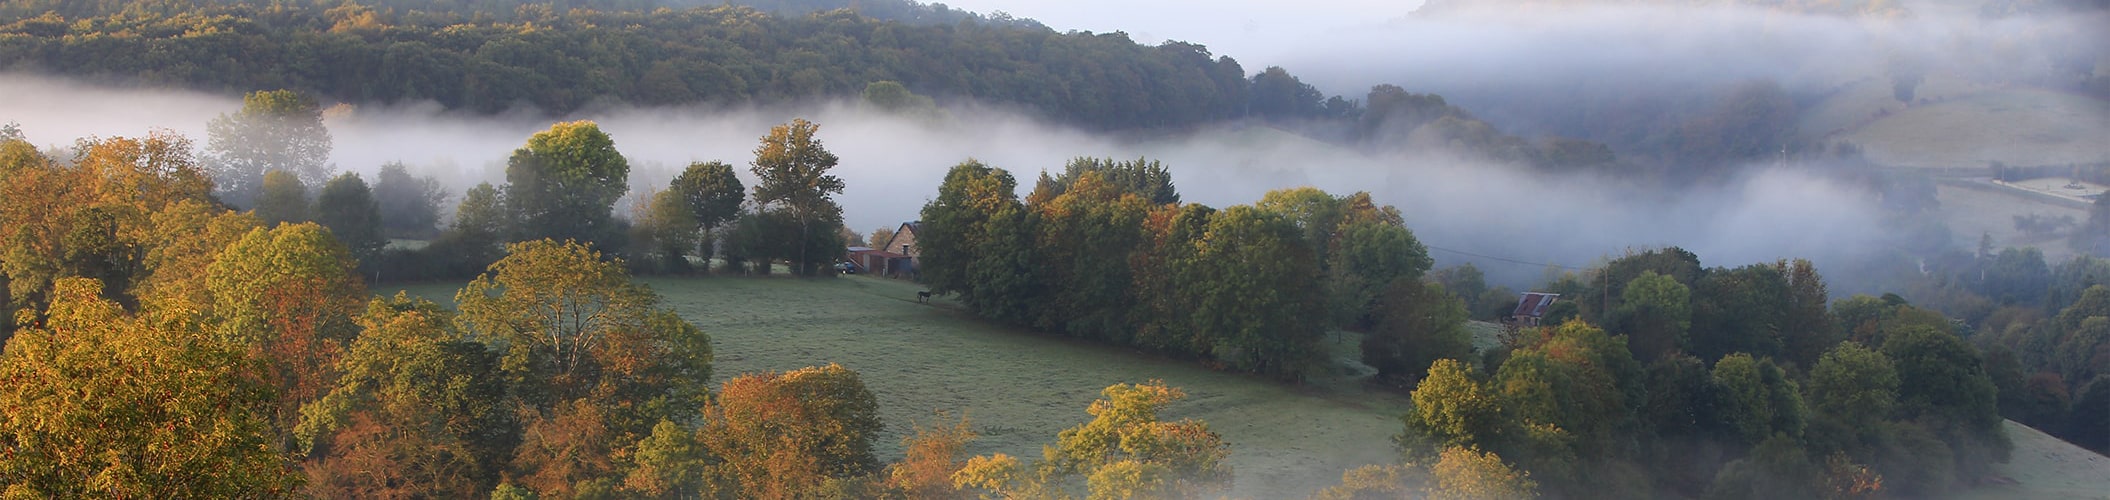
(1855, 385)
(419, 411)
(410, 205)
(780, 435)
(348, 208)
(274, 130)
(712, 195)
(288, 295)
(1418, 324)
(574, 326)
(1471, 474)
(283, 198)
(99, 403)
(564, 183)
(792, 170)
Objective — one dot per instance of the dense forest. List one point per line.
(560, 60)
(488, 59)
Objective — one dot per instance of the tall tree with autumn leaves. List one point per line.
(792, 168)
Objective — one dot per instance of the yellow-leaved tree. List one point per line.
(100, 403)
(1124, 452)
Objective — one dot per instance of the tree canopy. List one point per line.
(275, 130)
(564, 184)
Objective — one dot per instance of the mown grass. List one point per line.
(1019, 387)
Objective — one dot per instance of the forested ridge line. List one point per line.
(560, 57)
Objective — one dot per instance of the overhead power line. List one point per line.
(1505, 259)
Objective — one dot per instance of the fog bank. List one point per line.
(893, 165)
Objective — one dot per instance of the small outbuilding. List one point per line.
(1532, 307)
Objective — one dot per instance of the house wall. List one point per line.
(904, 236)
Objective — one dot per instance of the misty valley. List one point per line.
(1466, 249)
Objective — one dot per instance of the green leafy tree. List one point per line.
(1166, 277)
(1855, 385)
(1255, 295)
(349, 209)
(1739, 310)
(1755, 399)
(1942, 380)
(1277, 95)
(1086, 236)
(1807, 330)
(574, 326)
(274, 130)
(187, 236)
(792, 167)
(1419, 323)
(410, 205)
(892, 97)
(564, 184)
(1572, 393)
(957, 228)
(1466, 281)
(1941, 374)
(98, 403)
(475, 238)
(288, 295)
(1369, 255)
(420, 410)
(282, 199)
(711, 194)
(1654, 312)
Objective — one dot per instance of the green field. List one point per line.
(1021, 387)
(2016, 126)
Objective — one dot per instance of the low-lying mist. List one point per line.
(893, 164)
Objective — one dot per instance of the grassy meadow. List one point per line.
(1021, 388)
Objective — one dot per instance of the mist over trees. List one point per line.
(410, 205)
(210, 315)
(278, 130)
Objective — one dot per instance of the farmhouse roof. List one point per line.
(1534, 304)
(859, 249)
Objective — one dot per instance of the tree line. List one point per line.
(563, 184)
(1106, 251)
(1657, 377)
